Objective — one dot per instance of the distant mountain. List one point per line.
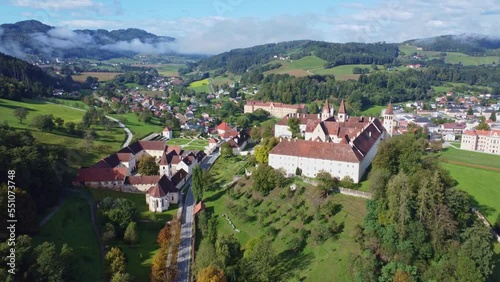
(470, 44)
(34, 39)
(239, 61)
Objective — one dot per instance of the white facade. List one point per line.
(167, 133)
(310, 167)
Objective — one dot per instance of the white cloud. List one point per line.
(54, 4)
(386, 20)
(61, 37)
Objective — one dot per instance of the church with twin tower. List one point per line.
(337, 143)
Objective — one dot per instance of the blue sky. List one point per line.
(213, 26)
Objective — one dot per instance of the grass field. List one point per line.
(310, 65)
(200, 85)
(139, 128)
(481, 184)
(169, 69)
(72, 225)
(327, 261)
(102, 76)
(373, 111)
(470, 157)
(112, 140)
(229, 79)
(139, 257)
(189, 144)
(452, 57)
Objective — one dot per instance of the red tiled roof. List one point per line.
(124, 157)
(224, 127)
(343, 151)
(316, 150)
(212, 141)
(166, 129)
(342, 109)
(143, 179)
(326, 107)
(162, 188)
(93, 174)
(452, 125)
(389, 110)
(178, 176)
(153, 145)
(229, 134)
(199, 207)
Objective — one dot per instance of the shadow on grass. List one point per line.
(485, 210)
(215, 196)
(290, 262)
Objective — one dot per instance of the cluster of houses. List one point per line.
(118, 172)
(449, 131)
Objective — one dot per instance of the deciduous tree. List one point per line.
(131, 235)
(211, 274)
(21, 114)
(115, 260)
(148, 166)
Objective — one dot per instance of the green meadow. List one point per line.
(106, 142)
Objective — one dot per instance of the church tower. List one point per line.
(389, 120)
(327, 111)
(342, 115)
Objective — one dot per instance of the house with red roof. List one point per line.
(225, 131)
(341, 145)
(487, 141)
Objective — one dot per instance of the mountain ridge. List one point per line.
(32, 38)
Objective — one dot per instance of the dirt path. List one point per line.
(471, 165)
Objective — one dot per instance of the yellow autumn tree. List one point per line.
(211, 274)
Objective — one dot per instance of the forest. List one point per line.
(19, 79)
(474, 45)
(238, 61)
(378, 88)
(419, 227)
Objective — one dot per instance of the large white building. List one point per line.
(481, 140)
(341, 145)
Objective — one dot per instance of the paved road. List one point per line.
(184, 256)
(129, 133)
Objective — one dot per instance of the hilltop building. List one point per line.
(342, 145)
(278, 110)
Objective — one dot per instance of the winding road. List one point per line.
(121, 125)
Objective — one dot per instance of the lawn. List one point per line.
(105, 143)
(481, 184)
(139, 257)
(200, 85)
(102, 76)
(373, 111)
(169, 69)
(72, 225)
(139, 128)
(189, 144)
(317, 262)
(470, 157)
(228, 78)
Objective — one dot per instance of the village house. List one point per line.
(341, 145)
(160, 196)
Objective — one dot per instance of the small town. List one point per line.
(232, 141)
